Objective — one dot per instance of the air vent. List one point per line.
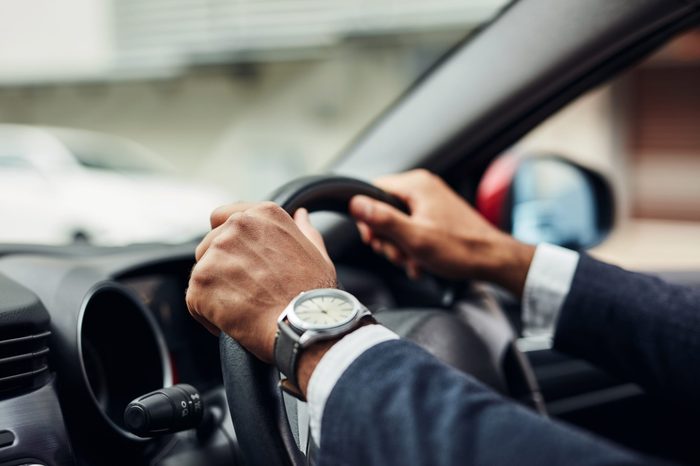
(24, 339)
(24, 361)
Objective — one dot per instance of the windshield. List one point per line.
(215, 101)
(103, 152)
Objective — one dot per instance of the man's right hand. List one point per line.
(442, 234)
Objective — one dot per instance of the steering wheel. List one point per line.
(474, 337)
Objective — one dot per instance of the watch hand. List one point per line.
(319, 307)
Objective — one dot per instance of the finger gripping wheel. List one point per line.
(255, 402)
(329, 193)
(256, 405)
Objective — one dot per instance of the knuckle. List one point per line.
(419, 244)
(202, 276)
(271, 209)
(221, 242)
(425, 175)
(242, 227)
(235, 224)
(192, 294)
(199, 251)
(218, 216)
(190, 299)
(235, 221)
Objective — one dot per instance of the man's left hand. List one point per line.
(250, 266)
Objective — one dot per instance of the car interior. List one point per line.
(84, 329)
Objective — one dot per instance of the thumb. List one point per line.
(383, 219)
(301, 218)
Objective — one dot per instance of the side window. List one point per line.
(642, 132)
(663, 113)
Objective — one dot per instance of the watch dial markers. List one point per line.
(324, 310)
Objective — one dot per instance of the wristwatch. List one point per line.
(312, 316)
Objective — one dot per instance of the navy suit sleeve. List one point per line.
(398, 405)
(636, 326)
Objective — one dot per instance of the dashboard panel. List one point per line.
(119, 329)
(122, 352)
(32, 427)
(193, 351)
(136, 297)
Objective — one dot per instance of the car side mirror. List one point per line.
(547, 199)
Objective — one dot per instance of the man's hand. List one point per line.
(442, 234)
(250, 266)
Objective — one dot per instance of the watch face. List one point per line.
(324, 310)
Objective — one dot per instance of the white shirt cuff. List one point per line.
(332, 366)
(547, 284)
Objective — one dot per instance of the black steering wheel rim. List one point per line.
(257, 406)
(329, 193)
(255, 401)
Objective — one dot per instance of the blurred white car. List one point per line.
(60, 186)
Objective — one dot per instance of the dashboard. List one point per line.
(115, 326)
(111, 325)
(85, 331)
(82, 335)
(191, 349)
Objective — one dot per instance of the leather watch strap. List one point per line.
(288, 349)
(287, 352)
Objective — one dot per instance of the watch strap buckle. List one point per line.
(291, 389)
